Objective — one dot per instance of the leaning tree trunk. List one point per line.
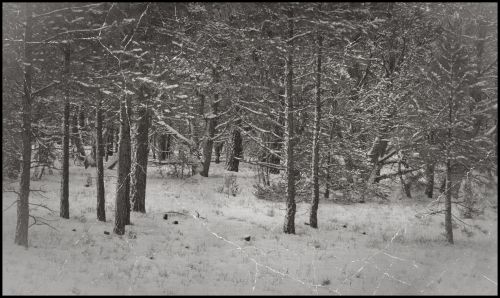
(101, 212)
(141, 166)
(122, 187)
(313, 218)
(64, 207)
(210, 133)
(235, 151)
(23, 203)
(289, 225)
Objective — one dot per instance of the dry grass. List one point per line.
(358, 249)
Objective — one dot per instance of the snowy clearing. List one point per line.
(369, 248)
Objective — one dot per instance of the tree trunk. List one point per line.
(110, 132)
(210, 133)
(327, 184)
(128, 110)
(313, 218)
(168, 146)
(77, 138)
(162, 155)
(64, 208)
(101, 211)
(468, 198)
(23, 203)
(218, 150)
(377, 151)
(235, 151)
(429, 177)
(194, 131)
(116, 138)
(447, 217)
(442, 187)
(122, 187)
(405, 185)
(141, 166)
(276, 147)
(154, 146)
(289, 225)
(81, 117)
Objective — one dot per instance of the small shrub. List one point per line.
(229, 186)
(467, 232)
(270, 212)
(132, 235)
(274, 192)
(315, 244)
(81, 218)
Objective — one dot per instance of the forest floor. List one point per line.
(370, 248)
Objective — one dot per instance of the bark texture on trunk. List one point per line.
(235, 150)
(210, 133)
(429, 177)
(128, 139)
(76, 137)
(449, 183)
(101, 211)
(313, 218)
(289, 224)
(447, 215)
(24, 187)
(276, 147)
(141, 166)
(64, 206)
(122, 187)
(218, 150)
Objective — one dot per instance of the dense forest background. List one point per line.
(329, 96)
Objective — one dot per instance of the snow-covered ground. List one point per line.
(369, 248)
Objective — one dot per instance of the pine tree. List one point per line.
(23, 203)
(101, 208)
